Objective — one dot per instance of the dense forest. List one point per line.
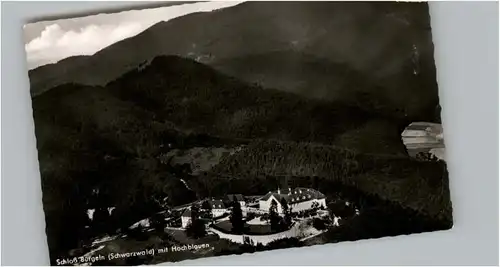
(420, 185)
(116, 140)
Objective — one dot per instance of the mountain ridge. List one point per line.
(375, 39)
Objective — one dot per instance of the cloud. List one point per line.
(54, 44)
(99, 31)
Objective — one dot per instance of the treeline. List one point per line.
(422, 186)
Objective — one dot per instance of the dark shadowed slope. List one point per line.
(87, 138)
(298, 72)
(50, 75)
(85, 132)
(194, 96)
(380, 40)
(314, 77)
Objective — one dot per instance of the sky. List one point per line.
(50, 41)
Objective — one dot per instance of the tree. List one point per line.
(100, 220)
(237, 218)
(314, 205)
(195, 213)
(207, 208)
(158, 223)
(273, 216)
(286, 213)
(196, 228)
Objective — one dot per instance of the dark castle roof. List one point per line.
(216, 204)
(296, 195)
(187, 213)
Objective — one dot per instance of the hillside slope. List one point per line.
(194, 96)
(315, 77)
(89, 140)
(299, 73)
(380, 40)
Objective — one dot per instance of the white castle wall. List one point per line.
(306, 205)
(266, 204)
(301, 206)
(185, 221)
(255, 210)
(218, 212)
(263, 239)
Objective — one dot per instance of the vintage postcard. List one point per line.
(202, 129)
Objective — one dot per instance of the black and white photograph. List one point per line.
(187, 130)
